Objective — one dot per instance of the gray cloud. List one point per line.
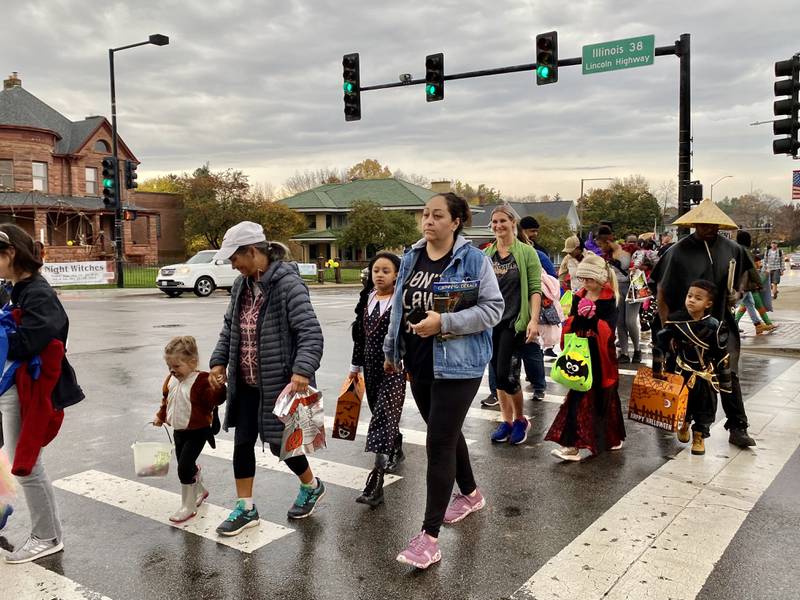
(257, 86)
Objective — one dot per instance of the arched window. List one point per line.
(102, 146)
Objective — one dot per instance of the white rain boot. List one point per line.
(188, 508)
(200, 492)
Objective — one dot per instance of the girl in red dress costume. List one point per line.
(593, 419)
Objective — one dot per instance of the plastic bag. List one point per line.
(304, 421)
(573, 367)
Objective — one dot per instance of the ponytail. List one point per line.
(612, 281)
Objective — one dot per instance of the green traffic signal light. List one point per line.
(349, 87)
(431, 89)
(108, 183)
(543, 71)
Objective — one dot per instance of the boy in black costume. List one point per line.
(694, 344)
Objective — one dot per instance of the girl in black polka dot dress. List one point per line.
(385, 391)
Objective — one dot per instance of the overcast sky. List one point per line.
(256, 85)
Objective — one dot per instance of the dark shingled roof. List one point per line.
(21, 200)
(19, 107)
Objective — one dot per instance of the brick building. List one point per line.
(50, 183)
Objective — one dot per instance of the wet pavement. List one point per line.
(118, 547)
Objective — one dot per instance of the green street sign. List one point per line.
(620, 54)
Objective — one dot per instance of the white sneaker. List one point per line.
(618, 446)
(566, 453)
(34, 549)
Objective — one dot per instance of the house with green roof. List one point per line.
(327, 207)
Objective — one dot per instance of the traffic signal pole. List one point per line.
(118, 246)
(681, 49)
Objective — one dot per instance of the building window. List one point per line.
(91, 181)
(40, 176)
(102, 146)
(328, 221)
(311, 221)
(7, 174)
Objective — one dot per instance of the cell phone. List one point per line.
(416, 315)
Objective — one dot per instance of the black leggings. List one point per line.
(443, 405)
(188, 446)
(246, 436)
(505, 359)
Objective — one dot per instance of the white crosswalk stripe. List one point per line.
(675, 525)
(156, 504)
(328, 471)
(410, 436)
(29, 581)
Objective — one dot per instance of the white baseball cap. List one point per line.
(241, 234)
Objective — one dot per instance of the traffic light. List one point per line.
(109, 182)
(434, 77)
(787, 106)
(695, 192)
(352, 87)
(129, 214)
(130, 175)
(546, 58)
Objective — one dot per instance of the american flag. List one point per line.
(795, 185)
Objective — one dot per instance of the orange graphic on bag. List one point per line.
(658, 402)
(348, 409)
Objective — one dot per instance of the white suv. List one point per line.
(200, 274)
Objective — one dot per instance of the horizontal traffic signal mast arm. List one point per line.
(562, 62)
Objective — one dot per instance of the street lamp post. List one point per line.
(157, 40)
(711, 197)
(581, 196)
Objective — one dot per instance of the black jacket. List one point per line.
(290, 341)
(43, 319)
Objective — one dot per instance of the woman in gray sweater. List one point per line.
(270, 338)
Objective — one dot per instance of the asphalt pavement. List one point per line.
(648, 521)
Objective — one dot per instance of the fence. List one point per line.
(140, 275)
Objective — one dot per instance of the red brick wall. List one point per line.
(24, 147)
(171, 245)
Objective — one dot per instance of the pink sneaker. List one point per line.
(422, 552)
(462, 505)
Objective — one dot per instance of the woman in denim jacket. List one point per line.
(445, 356)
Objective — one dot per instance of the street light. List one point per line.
(157, 40)
(715, 183)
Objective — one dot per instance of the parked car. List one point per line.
(794, 260)
(200, 274)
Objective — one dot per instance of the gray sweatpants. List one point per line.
(39, 494)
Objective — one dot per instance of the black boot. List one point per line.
(373, 491)
(740, 437)
(396, 456)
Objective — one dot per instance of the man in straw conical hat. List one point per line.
(707, 255)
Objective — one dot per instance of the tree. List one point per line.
(414, 178)
(301, 182)
(369, 225)
(368, 169)
(553, 232)
(627, 203)
(757, 213)
(401, 229)
(480, 196)
(166, 183)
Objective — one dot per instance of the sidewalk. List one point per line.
(154, 291)
(786, 338)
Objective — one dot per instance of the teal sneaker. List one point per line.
(239, 520)
(306, 501)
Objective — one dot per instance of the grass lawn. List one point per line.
(348, 276)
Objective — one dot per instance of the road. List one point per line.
(649, 517)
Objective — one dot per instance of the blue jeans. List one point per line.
(749, 304)
(533, 359)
